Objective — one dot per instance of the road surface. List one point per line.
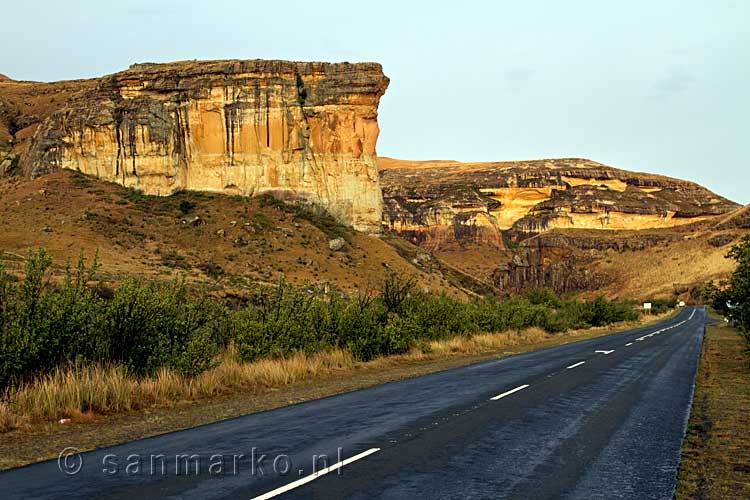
(597, 419)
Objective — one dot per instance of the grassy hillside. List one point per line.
(221, 241)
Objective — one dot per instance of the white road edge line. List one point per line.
(577, 364)
(508, 393)
(315, 475)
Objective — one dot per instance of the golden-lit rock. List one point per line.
(300, 131)
(433, 202)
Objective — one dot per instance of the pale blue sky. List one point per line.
(657, 86)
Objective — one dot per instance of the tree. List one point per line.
(738, 292)
(395, 290)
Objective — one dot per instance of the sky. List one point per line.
(649, 86)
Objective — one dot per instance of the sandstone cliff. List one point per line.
(301, 131)
(433, 202)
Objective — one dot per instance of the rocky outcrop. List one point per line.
(562, 259)
(721, 240)
(456, 216)
(8, 163)
(736, 220)
(544, 263)
(561, 224)
(618, 241)
(25, 105)
(436, 201)
(301, 131)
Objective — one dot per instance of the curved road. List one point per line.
(596, 419)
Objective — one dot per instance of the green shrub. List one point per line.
(660, 306)
(152, 325)
(197, 354)
(186, 206)
(43, 326)
(543, 297)
(737, 293)
(440, 317)
(601, 312)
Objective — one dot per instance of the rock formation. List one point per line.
(433, 202)
(558, 223)
(301, 131)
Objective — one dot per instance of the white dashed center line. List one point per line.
(508, 393)
(605, 352)
(316, 475)
(577, 364)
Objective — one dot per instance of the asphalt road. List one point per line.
(597, 419)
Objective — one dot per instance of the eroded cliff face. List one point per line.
(434, 202)
(563, 224)
(301, 131)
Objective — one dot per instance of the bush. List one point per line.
(660, 306)
(196, 355)
(437, 318)
(601, 312)
(543, 297)
(150, 326)
(42, 326)
(143, 327)
(736, 297)
(186, 206)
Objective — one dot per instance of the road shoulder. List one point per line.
(716, 451)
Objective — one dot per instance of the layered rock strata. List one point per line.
(302, 131)
(434, 202)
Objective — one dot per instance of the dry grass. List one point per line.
(716, 451)
(83, 389)
(488, 342)
(81, 393)
(491, 342)
(8, 419)
(654, 272)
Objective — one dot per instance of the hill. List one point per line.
(223, 242)
(570, 224)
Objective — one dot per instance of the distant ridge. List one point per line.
(4, 78)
